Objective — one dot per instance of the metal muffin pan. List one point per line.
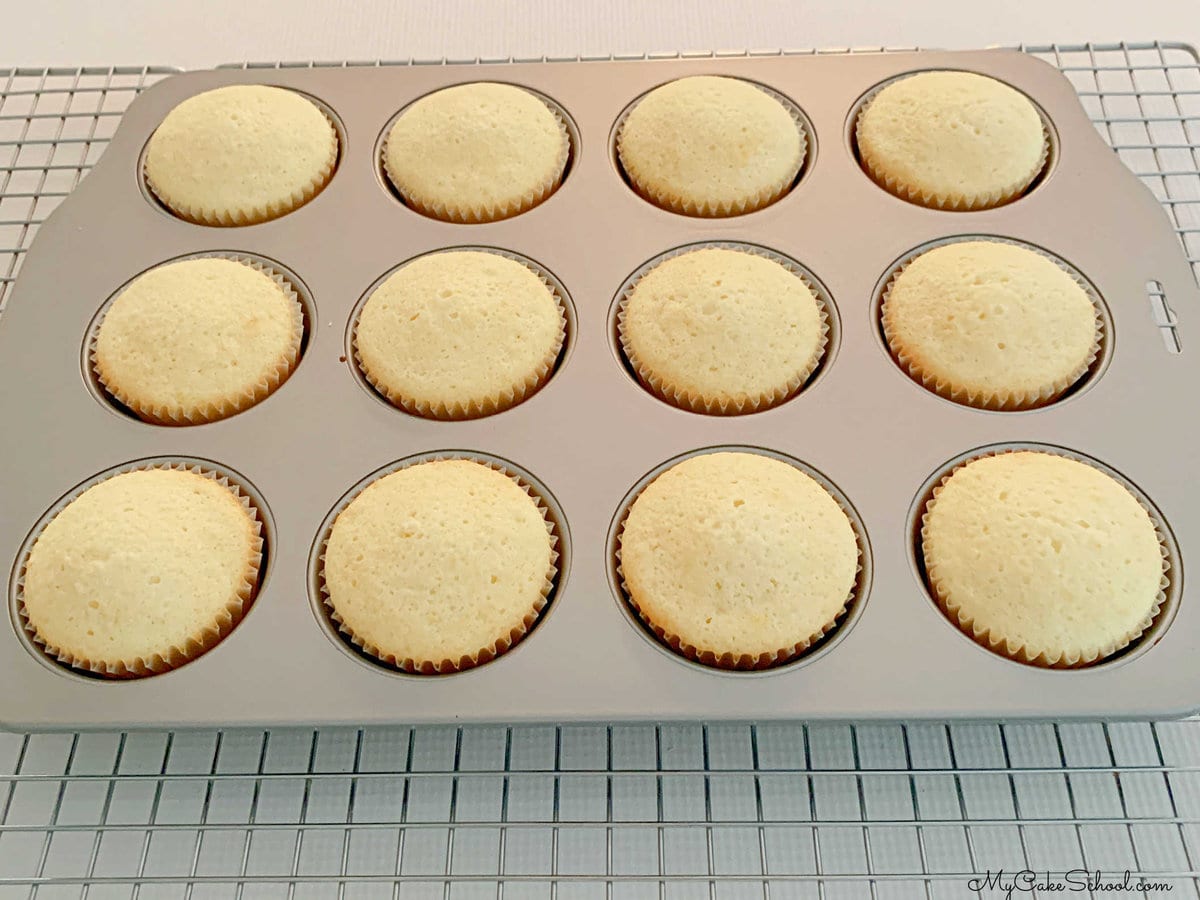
(591, 434)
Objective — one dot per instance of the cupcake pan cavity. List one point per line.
(588, 438)
(830, 328)
(246, 493)
(808, 147)
(1171, 592)
(574, 146)
(561, 297)
(1050, 149)
(561, 560)
(1103, 350)
(339, 130)
(822, 645)
(287, 279)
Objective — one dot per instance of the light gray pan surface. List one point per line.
(592, 433)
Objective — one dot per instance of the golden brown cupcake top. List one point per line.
(952, 140)
(722, 331)
(460, 334)
(476, 152)
(711, 146)
(142, 572)
(991, 324)
(440, 565)
(738, 559)
(197, 340)
(1043, 559)
(241, 154)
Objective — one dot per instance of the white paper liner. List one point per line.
(957, 202)
(205, 638)
(697, 402)
(706, 207)
(474, 213)
(1068, 658)
(253, 215)
(998, 399)
(475, 407)
(504, 642)
(719, 659)
(176, 414)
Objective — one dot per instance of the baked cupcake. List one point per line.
(198, 340)
(1043, 559)
(476, 152)
(952, 140)
(142, 572)
(711, 146)
(722, 331)
(738, 560)
(439, 566)
(991, 324)
(241, 154)
(459, 334)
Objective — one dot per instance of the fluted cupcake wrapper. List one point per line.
(484, 405)
(503, 643)
(724, 659)
(1001, 400)
(711, 208)
(254, 214)
(952, 201)
(698, 402)
(1068, 658)
(478, 213)
(175, 414)
(196, 644)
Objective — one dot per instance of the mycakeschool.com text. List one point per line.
(1002, 883)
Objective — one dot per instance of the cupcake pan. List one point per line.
(591, 434)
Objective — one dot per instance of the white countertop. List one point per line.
(202, 33)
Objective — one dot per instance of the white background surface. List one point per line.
(202, 33)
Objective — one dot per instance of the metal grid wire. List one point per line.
(54, 124)
(620, 812)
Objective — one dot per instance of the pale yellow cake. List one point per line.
(142, 572)
(1043, 559)
(738, 560)
(991, 324)
(722, 331)
(476, 152)
(197, 340)
(460, 334)
(439, 566)
(711, 146)
(952, 140)
(241, 154)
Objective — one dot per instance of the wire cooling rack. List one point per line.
(611, 812)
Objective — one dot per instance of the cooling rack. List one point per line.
(619, 812)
